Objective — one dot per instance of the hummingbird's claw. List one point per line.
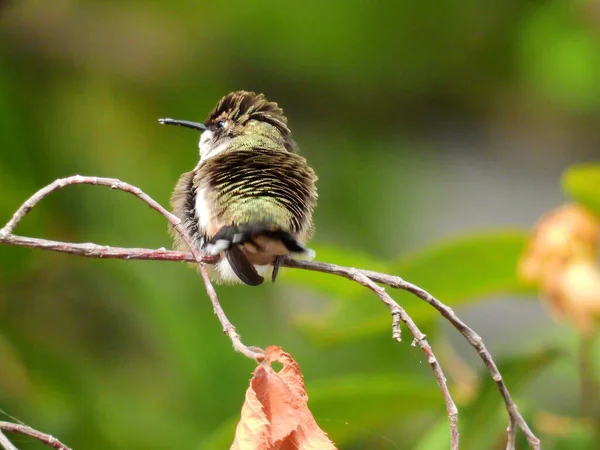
(276, 265)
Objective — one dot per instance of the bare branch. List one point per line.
(28, 431)
(113, 183)
(470, 335)
(366, 278)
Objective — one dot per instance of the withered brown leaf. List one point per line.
(275, 414)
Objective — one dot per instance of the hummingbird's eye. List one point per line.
(221, 124)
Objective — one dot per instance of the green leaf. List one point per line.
(580, 436)
(582, 183)
(467, 267)
(345, 407)
(353, 403)
(458, 272)
(438, 436)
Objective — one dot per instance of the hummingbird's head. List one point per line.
(246, 117)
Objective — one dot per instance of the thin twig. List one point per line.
(5, 443)
(113, 183)
(398, 314)
(104, 251)
(92, 250)
(511, 431)
(44, 438)
(228, 328)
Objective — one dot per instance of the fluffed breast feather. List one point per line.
(252, 185)
(245, 186)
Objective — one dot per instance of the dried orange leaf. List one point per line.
(275, 415)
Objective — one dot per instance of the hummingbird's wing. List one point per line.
(182, 205)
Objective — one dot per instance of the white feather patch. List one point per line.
(217, 247)
(202, 211)
(228, 275)
(204, 143)
(207, 146)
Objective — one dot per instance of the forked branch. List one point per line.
(367, 278)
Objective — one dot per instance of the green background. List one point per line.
(439, 131)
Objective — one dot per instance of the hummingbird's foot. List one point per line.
(276, 265)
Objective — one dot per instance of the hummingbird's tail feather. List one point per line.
(244, 270)
(252, 233)
(247, 245)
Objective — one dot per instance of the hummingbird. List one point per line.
(251, 197)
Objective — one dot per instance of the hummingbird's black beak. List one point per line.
(183, 123)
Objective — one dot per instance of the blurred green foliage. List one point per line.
(467, 270)
(582, 183)
(113, 354)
